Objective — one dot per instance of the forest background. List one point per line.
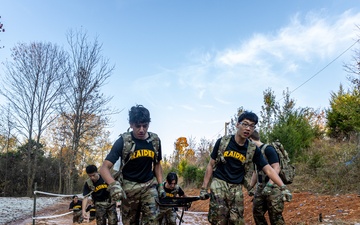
(55, 123)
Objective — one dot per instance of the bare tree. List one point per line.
(231, 126)
(353, 68)
(32, 85)
(203, 152)
(89, 72)
(2, 29)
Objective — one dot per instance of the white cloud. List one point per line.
(302, 39)
(270, 60)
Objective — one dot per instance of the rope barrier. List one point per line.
(57, 195)
(190, 212)
(49, 217)
(34, 217)
(51, 194)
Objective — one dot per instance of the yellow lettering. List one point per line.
(235, 155)
(99, 187)
(143, 153)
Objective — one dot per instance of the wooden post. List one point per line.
(34, 207)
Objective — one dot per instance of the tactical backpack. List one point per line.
(287, 170)
(248, 164)
(129, 150)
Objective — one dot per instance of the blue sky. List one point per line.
(193, 63)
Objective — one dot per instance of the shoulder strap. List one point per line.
(155, 140)
(128, 149)
(249, 165)
(263, 150)
(250, 152)
(91, 186)
(224, 142)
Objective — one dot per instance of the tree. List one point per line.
(231, 126)
(2, 29)
(180, 150)
(89, 72)
(291, 126)
(268, 113)
(353, 68)
(203, 152)
(8, 140)
(343, 116)
(32, 84)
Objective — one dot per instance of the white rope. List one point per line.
(47, 193)
(56, 195)
(49, 217)
(190, 212)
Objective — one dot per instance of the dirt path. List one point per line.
(304, 209)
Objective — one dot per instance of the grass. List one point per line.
(323, 168)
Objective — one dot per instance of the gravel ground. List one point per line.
(15, 208)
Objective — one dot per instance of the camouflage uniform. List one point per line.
(226, 201)
(226, 196)
(105, 208)
(76, 207)
(137, 180)
(168, 215)
(273, 204)
(140, 195)
(77, 217)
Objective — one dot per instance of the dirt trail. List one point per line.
(304, 209)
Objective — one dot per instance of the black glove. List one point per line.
(116, 192)
(286, 194)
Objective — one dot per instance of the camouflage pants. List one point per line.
(226, 203)
(140, 205)
(168, 216)
(77, 217)
(105, 210)
(273, 204)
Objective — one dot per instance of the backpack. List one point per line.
(248, 164)
(287, 170)
(129, 149)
